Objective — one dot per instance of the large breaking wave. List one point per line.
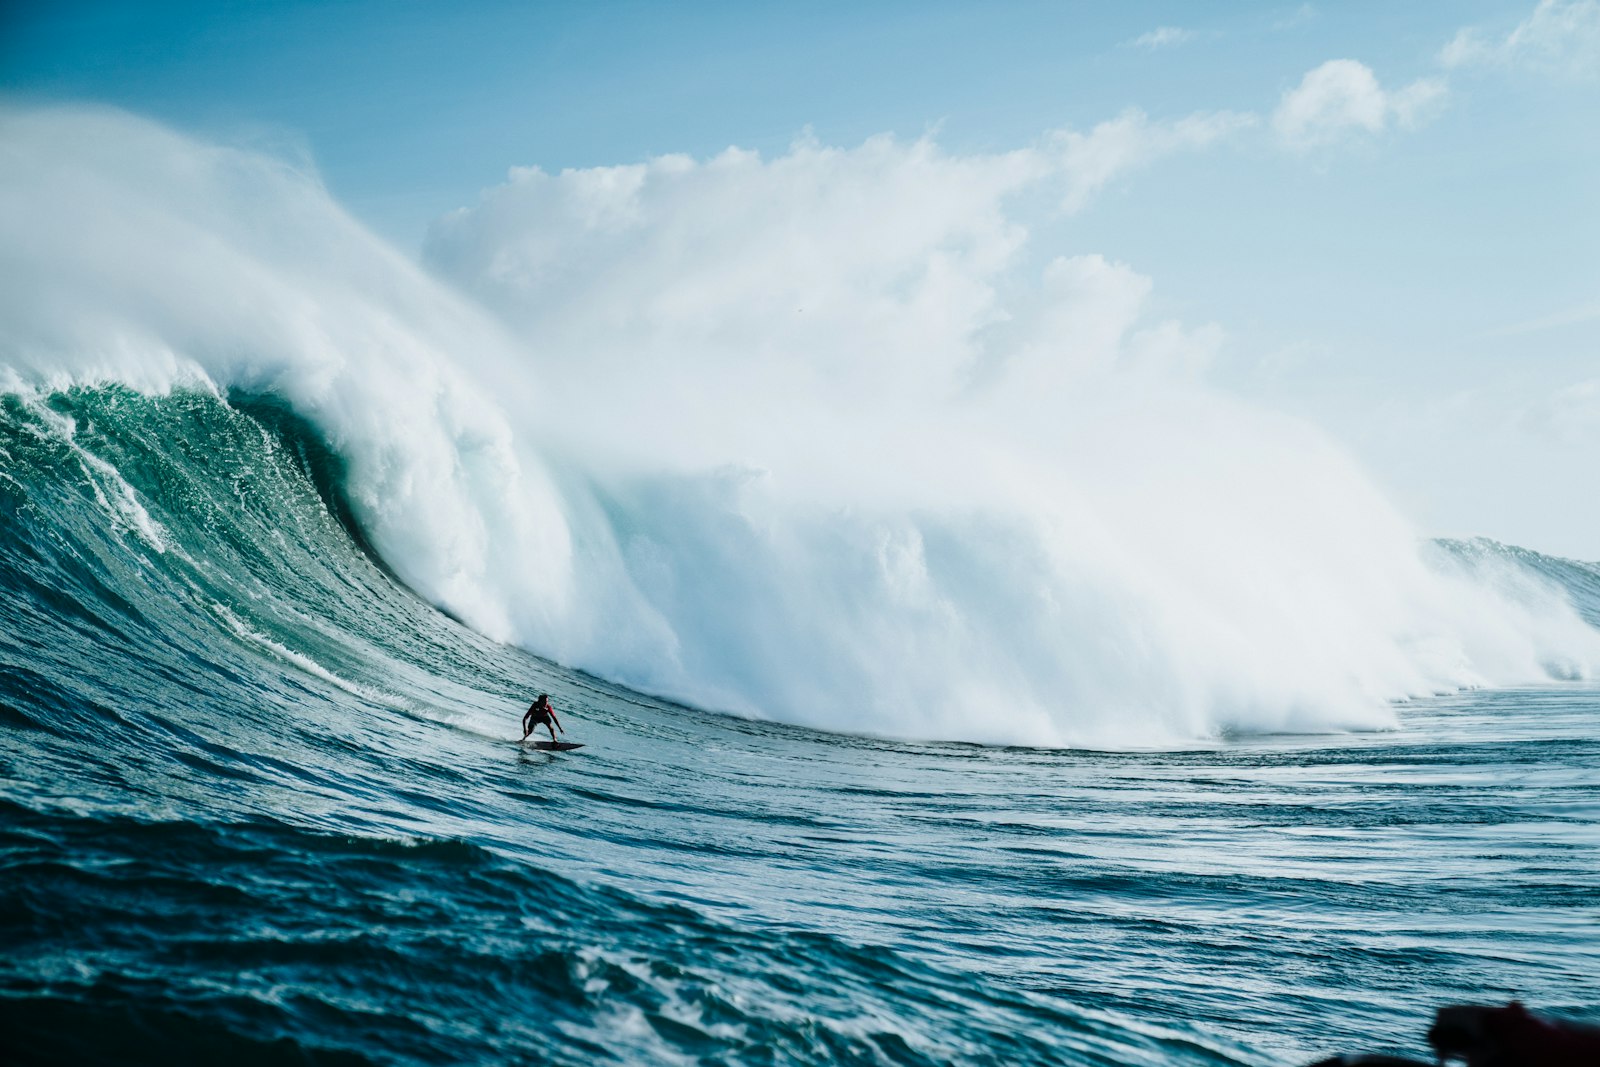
(809, 438)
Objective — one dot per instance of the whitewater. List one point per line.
(964, 677)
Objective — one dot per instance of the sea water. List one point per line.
(262, 801)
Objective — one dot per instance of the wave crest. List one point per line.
(953, 493)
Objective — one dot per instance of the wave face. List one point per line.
(949, 505)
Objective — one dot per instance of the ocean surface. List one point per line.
(263, 804)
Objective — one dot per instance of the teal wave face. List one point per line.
(1578, 581)
(217, 527)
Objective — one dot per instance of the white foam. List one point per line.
(115, 497)
(809, 438)
(300, 660)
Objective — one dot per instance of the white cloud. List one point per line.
(1170, 348)
(1162, 37)
(1298, 17)
(880, 261)
(1417, 102)
(1344, 96)
(862, 269)
(1562, 36)
(1570, 415)
(1132, 139)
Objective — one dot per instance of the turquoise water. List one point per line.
(262, 802)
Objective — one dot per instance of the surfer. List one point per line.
(538, 712)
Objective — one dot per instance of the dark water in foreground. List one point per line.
(259, 804)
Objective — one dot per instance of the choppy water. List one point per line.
(260, 801)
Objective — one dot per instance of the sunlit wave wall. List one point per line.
(819, 438)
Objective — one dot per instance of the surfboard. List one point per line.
(558, 746)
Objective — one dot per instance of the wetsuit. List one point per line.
(539, 712)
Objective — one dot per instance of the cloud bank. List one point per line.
(872, 269)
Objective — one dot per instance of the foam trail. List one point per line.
(808, 438)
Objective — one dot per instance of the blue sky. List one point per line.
(411, 108)
(1415, 266)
